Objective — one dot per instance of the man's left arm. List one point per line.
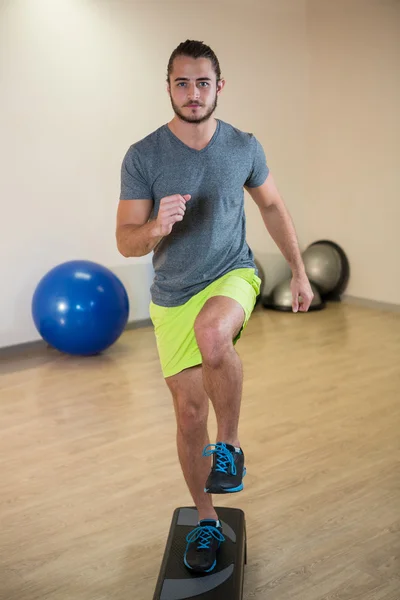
(280, 226)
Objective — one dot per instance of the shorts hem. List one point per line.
(170, 372)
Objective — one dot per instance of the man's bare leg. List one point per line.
(191, 405)
(218, 323)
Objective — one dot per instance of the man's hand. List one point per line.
(302, 293)
(172, 209)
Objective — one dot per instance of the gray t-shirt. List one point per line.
(211, 239)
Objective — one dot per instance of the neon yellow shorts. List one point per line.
(174, 326)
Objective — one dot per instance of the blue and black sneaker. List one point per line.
(203, 544)
(227, 469)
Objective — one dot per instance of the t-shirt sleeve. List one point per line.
(259, 171)
(134, 184)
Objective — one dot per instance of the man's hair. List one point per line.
(194, 49)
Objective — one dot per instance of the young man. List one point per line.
(182, 197)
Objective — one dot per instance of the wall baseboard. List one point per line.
(371, 303)
(139, 324)
(39, 347)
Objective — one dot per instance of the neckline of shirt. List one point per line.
(193, 150)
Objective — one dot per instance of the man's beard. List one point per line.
(193, 119)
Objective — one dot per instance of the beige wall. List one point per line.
(80, 81)
(353, 174)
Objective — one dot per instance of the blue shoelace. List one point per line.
(224, 458)
(205, 534)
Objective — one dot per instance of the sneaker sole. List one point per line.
(239, 488)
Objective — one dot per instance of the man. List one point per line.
(182, 197)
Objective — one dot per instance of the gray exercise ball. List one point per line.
(327, 266)
(281, 297)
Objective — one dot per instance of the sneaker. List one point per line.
(227, 469)
(203, 544)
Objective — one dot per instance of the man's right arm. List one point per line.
(135, 234)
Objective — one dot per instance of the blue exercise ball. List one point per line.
(80, 307)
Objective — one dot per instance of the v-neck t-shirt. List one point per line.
(210, 241)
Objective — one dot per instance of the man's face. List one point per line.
(193, 89)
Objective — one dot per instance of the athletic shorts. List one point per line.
(174, 326)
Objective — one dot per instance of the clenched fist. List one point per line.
(172, 209)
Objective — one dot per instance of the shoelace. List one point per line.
(205, 533)
(224, 458)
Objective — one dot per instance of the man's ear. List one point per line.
(220, 85)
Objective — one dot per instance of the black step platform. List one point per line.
(225, 582)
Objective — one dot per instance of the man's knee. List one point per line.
(191, 416)
(191, 402)
(213, 338)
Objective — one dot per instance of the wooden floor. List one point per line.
(89, 473)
